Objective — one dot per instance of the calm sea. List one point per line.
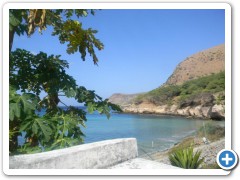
(153, 132)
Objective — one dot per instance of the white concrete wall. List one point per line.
(87, 156)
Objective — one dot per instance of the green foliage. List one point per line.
(220, 98)
(213, 83)
(169, 94)
(39, 72)
(39, 127)
(79, 39)
(21, 106)
(28, 149)
(185, 158)
(68, 30)
(16, 17)
(30, 75)
(212, 131)
(160, 95)
(58, 128)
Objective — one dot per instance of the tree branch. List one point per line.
(63, 103)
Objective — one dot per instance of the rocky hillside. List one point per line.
(201, 106)
(122, 99)
(196, 89)
(200, 64)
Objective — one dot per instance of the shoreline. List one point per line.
(209, 151)
(202, 110)
(173, 115)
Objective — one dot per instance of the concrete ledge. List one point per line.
(140, 163)
(87, 156)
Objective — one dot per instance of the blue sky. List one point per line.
(142, 47)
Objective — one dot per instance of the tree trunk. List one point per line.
(11, 36)
(53, 100)
(13, 143)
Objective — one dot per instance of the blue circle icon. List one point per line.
(227, 159)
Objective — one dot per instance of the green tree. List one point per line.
(32, 74)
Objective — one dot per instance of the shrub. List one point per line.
(212, 130)
(185, 158)
(166, 94)
(220, 98)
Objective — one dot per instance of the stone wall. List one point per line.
(87, 156)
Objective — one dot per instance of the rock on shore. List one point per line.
(202, 105)
(209, 112)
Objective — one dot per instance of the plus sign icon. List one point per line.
(227, 159)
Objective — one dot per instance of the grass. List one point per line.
(212, 131)
(187, 142)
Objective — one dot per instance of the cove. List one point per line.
(153, 132)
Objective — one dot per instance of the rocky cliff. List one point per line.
(208, 103)
(201, 106)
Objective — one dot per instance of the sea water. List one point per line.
(153, 132)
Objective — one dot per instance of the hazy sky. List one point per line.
(142, 47)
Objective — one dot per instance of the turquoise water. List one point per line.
(153, 132)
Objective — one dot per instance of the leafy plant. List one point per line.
(30, 75)
(78, 39)
(186, 158)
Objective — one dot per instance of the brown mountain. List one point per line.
(122, 99)
(200, 64)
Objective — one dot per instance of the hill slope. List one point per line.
(200, 64)
(196, 88)
(203, 98)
